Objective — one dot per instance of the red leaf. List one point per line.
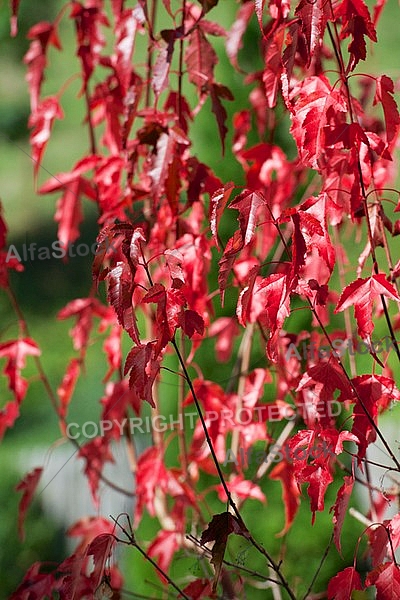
(125, 34)
(384, 95)
(259, 8)
(42, 121)
(69, 213)
(84, 309)
(321, 255)
(313, 16)
(151, 475)
(164, 547)
(174, 261)
(96, 453)
(356, 21)
(100, 548)
(361, 294)
(218, 202)
(290, 491)
(66, 389)
(119, 295)
(88, 528)
(112, 348)
(8, 415)
(318, 476)
(226, 329)
(248, 204)
(28, 486)
(144, 368)
(13, 20)
(192, 322)
(198, 589)
(343, 584)
(268, 302)
(273, 67)
(218, 91)
(160, 78)
(218, 530)
(243, 488)
(232, 248)
(165, 150)
(200, 58)
(376, 393)
(384, 540)
(234, 40)
(340, 509)
(317, 101)
(90, 39)
(118, 397)
(42, 35)
(16, 353)
(386, 579)
(35, 585)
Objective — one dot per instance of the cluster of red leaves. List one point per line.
(162, 216)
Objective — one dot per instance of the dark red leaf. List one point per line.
(343, 584)
(100, 548)
(28, 486)
(340, 509)
(218, 530)
(386, 579)
(200, 58)
(218, 91)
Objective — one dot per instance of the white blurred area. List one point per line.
(63, 490)
(383, 478)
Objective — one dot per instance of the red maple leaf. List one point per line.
(73, 185)
(317, 105)
(42, 35)
(16, 352)
(343, 584)
(248, 204)
(356, 21)
(361, 293)
(386, 579)
(374, 394)
(84, 309)
(42, 121)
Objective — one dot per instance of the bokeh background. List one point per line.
(46, 286)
